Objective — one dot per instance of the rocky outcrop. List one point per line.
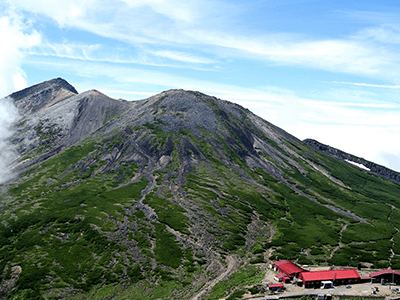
(55, 117)
(94, 110)
(42, 95)
(10, 278)
(56, 83)
(343, 156)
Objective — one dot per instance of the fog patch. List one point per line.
(8, 116)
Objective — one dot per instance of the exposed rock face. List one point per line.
(8, 285)
(43, 95)
(93, 111)
(55, 117)
(374, 168)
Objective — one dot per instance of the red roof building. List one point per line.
(365, 279)
(276, 287)
(287, 267)
(281, 277)
(313, 279)
(386, 276)
(382, 272)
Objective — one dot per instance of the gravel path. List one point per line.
(232, 264)
(356, 290)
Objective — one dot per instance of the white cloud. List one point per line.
(104, 53)
(389, 34)
(65, 13)
(141, 21)
(348, 55)
(177, 24)
(15, 37)
(66, 50)
(385, 86)
(176, 10)
(182, 56)
(8, 115)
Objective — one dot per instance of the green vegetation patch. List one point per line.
(58, 238)
(247, 276)
(168, 213)
(167, 251)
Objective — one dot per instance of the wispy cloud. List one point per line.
(67, 50)
(103, 53)
(385, 86)
(348, 55)
(176, 25)
(388, 16)
(182, 56)
(178, 11)
(385, 33)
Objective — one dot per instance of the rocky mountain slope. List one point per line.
(178, 196)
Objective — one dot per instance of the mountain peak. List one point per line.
(56, 83)
(42, 95)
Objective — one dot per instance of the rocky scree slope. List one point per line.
(146, 199)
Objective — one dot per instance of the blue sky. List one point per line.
(327, 70)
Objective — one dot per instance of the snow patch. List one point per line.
(361, 166)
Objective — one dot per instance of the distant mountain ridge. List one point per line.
(373, 167)
(158, 198)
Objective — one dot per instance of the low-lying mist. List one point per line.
(8, 116)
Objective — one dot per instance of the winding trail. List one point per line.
(231, 265)
(392, 253)
(340, 245)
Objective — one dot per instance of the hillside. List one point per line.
(156, 198)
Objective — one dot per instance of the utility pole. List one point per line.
(392, 280)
